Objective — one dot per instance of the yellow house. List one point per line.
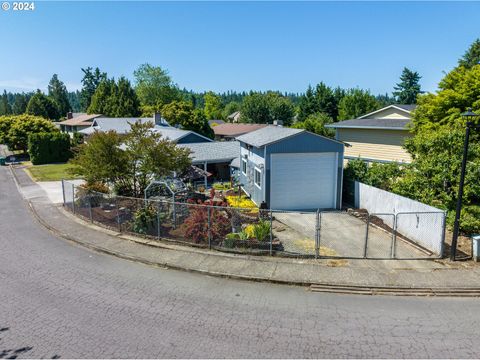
(378, 136)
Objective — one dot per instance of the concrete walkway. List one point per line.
(366, 273)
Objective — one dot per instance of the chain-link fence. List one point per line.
(324, 234)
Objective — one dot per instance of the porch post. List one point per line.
(205, 175)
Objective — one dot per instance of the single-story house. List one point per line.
(291, 169)
(76, 122)
(229, 131)
(378, 136)
(214, 157)
(122, 126)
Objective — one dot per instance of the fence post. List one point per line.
(73, 198)
(271, 232)
(63, 192)
(118, 215)
(317, 234)
(442, 244)
(209, 228)
(158, 220)
(393, 253)
(174, 214)
(89, 197)
(365, 247)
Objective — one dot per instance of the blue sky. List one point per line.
(238, 45)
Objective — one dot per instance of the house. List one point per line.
(229, 131)
(291, 169)
(76, 122)
(234, 117)
(122, 126)
(214, 158)
(378, 136)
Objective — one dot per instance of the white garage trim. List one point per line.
(301, 181)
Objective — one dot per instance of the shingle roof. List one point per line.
(393, 124)
(174, 134)
(236, 129)
(268, 135)
(407, 107)
(215, 151)
(82, 119)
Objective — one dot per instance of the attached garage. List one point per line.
(313, 171)
(291, 169)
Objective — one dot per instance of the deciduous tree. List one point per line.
(355, 103)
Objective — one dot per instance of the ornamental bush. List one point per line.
(46, 148)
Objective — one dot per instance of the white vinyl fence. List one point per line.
(418, 222)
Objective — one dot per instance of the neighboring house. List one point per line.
(229, 131)
(291, 169)
(378, 136)
(122, 126)
(215, 158)
(234, 117)
(76, 122)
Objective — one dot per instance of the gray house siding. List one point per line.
(247, 181)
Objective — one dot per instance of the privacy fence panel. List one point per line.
(425, 231)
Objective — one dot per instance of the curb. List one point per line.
(313, 287)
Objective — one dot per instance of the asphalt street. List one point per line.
(61, 300)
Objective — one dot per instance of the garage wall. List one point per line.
(306, 143)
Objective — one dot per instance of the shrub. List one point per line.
(261, 230)
(46, 148)
(240, 202)
(197, 222)
(144, 219)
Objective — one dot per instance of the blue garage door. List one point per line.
(303, 181)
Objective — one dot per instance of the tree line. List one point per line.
(153, 90)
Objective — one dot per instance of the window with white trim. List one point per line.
(244, 166)
(258, 178)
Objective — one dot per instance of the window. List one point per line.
(244, 166)
(258, 178)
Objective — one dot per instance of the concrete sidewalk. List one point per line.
(334, 273)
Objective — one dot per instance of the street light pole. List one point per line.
(456, 225)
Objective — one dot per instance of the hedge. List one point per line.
(46, 148)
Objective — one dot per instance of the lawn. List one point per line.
(50, 172)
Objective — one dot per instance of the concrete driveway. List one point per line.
(343, 235)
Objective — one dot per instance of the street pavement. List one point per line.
(61, 300)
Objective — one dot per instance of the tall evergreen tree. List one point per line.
(57, 91)
(115, 99)
(90, 81)
(20, 103)
(307, 104)
(5, 108)
(408, 88)
(471, 56)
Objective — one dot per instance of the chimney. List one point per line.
(157, 118)
(69, 115)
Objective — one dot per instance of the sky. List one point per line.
(222, 46)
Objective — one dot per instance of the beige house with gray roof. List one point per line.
(378, 136)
